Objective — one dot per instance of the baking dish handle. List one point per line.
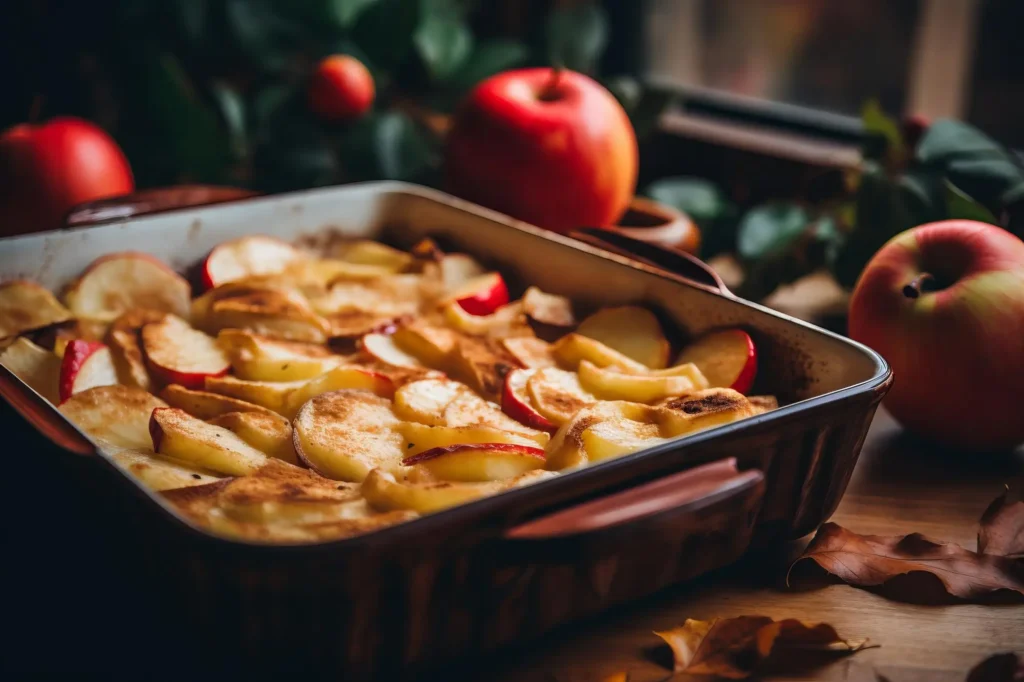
(34, 409)
(147, 201)
(693, 490)
(674, 262)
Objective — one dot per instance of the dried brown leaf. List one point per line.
(873, 560)
(1007, 667)
(1001, 529)
(737, 647)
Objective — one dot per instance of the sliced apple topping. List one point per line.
(469, 409)
(551, 315)
(160, 473)
(383, 349)
(255, 357)
(116, 416)
(58, 336)
(206, 405)
(181, 436)
(123, 339)
(504, 322)
(178, 354)
(557, 394)
(269, 394)
(367, 252)
(571, 349)
(481, 295)
(482, 363)
(345, 434)
(727, 358)
(483, 462)
(608, 384)
(633, 331)
(386, 493)
(339, 378)
(25, 306)
(269, 433)
(627, 427)
(456, 269)
(530, 351)
(36, 366)
(429, 343)
(763, 403)
(85, 364)
(424, 401)
(394, 296)
(420, 437)
(116, 283)
(703, 410)
(245, 257)
(270, 313)
(516, 402)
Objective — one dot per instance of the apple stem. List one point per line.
(921, 284)
(550, 91)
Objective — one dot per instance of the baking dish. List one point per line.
(402, 600)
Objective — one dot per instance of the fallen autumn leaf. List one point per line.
(737, 647)
(873, 560)
(1001, 530)
(998, 668)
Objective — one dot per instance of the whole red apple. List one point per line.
(552, 148)
(944, 304)
(47, 169)
(341, 89)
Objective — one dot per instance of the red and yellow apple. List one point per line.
(553, 148)
(944, 305)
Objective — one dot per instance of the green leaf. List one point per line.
(385, 31)
(444, 42)
(577, 35)
(267, 105)
(232, 110)
(488, 59)
(387, 146)
(879, 125)
(192, 19)
(770, 229)
(298, 156)
(698, 198)
(262, 36)
(346, 12)
(960, 206)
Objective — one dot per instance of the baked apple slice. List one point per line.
(633, 331)
(480, 462)
(530, 351)
(255, 357)
(206, 405)
(609, 384)
(246, 257)
(550, 315)
(339, 378)
(25, 306)
(631, 425)
(117, 416)
(456, 269)
(420, 437)
(425, 401)
(571, 349)
(481, 295)
(557, 394)
(178, 354)
(179, 435)
(345, 434)
(36, 366)
(504, 322)
(763, 403)
(116, 283)
(430, 344)
(383, 349)
(269, 394)
(125, 343)
(386, 493)
(275, 313)
(516, 403)
(368, 252)
(159, 473)
(482, 363)
(703, 410)
(269, 433)
(85, 364)
(727, 358)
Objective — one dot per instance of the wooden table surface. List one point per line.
(901, 485)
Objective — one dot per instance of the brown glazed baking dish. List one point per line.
(404, 601)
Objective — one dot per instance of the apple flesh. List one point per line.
(420, 437)
(206, 405)
(117, 416)
(608, 384)
(482, 295)
(36, 366)
(85, 364)
(339, 378)
(635, 332)
(516, 403)
(727, 359)
(557, 394)
(944, 304)
(159, 473)
(481, 462)
(179, 435)
(25, 306)
(368, 252)
(118, 282)
(385, 492)
(382, 348)
(572, 349)
(552, 148)
(255, 357)
(269, 433)
(125, 344)
(178, 354)
(247, 257)
(272, 395)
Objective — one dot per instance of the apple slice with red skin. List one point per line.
(481, 295)
(478, 462)
(85, 364)
(178, 354)
(726, 358)
(246, 257)
(116, 283)
(515, 402)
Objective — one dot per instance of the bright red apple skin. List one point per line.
(555, 151)
(487, 300)
(45, 170)
(957, 353)
(341, 89)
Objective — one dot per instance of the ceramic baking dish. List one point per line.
(399, 602)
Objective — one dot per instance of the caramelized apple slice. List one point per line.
(727, 358)
(469, 409)
(344, 434)
(482, 462)
(85, 364)
(557, 394)
(617, 437)
(25, 306)
(245, 257)
(482, 363)
(339, 378)
(385, 493)
(383, 349)
(456, 269)
(608, 384)
(551, 315)
(481, 295)
(367, 252)
(529, 351)
(116, 283)
(181, 436)
(633, 422)
(425, 401)
(504, 322)
(703, 410)
(269, 394)
(261, 358)
(160, 473)
(118, 416)
(269, 433)
(420, 437)
(123, 339)
(430, 344)
(178, 354)
(571, 349)
(763, 403)
(633, 331)
(516, 403)
(206, 405)
(270, 313)
(36, 366)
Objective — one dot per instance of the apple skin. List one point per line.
(957, 353)
(557, 151)
(341, 89)
(46, 170)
